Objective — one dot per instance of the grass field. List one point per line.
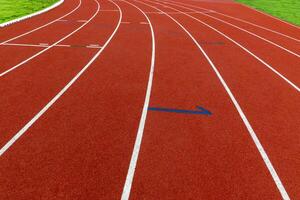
(11, 9)
(288, 10)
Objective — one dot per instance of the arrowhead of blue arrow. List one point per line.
(203, 110)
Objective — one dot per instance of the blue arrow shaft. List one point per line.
(197, 112)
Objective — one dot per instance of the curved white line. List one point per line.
(249, 32)
(235, 18)
(140, 132)
(241, 46)
(52, 45)
(58, 95)
(26, 33)
(32, 14)
(253, 135)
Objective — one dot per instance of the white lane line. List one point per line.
(140, 132)
(62, 20)
(144, 23)
(94, 46)
(25, 45)
(125, 22)
(82, 20)
(253, 135)
(237, 27)
(31, 31)
(238, 19)
(58, 95)
(293, 85)
(63, 45)
(52, 45)
(44, 45)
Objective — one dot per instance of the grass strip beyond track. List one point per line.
(287, 10)
(12, 9)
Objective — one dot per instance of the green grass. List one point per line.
(11, 9)
(288, 10)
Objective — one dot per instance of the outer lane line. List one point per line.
(238, 44)
(238, 19)
(52, 45)
(253, 135)
(237, 27)
(40, 27)
(140, 132)
(58, 95)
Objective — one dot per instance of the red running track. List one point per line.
(75, 123)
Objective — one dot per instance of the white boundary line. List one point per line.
(33, 14)
(237, 27)
(253, 135)
(58, 95)
(40, 27)
(140, 132)
(52, 45)
(25, 45)
(238, 19)
(293, 85)
(82, 20)
(94, 46)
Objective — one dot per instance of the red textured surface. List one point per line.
(9, 57)
(246, 13)
(193, 157)
(81, 147)
(61, 29)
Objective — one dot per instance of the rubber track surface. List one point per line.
(84, 143)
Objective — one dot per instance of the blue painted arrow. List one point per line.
(200, 111)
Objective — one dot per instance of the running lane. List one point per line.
(12, 55)
(27, 89)
(286, 63)
(27, 25)
(186, 156)
(80, 148)
(290, 43)
(271, 105)
(246, 13)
